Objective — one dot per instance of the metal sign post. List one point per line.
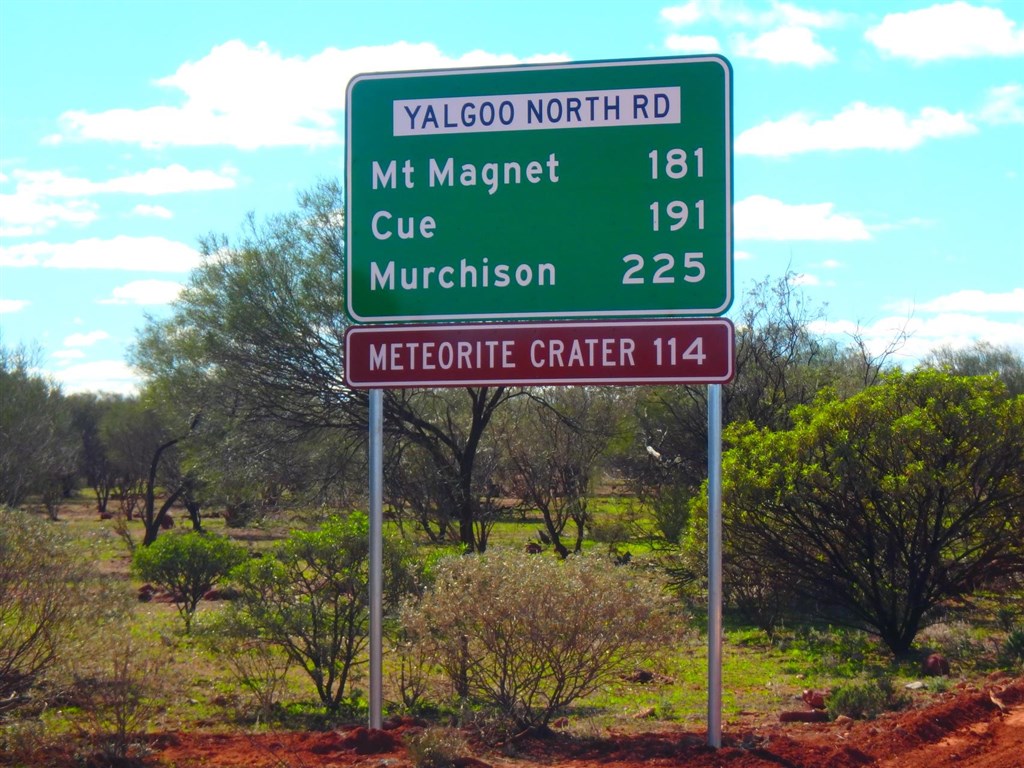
(376, 557)
(715, 565)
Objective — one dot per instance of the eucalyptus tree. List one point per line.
(38, 445)
(256, 342)
(555, 441)
(981, 358)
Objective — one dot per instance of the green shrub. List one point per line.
(529, 635)
(187, 566)
(865, 700)
(309, 598)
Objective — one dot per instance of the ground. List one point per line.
(972, 728)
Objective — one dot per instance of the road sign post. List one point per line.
(570, 191)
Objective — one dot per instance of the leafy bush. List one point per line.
(309, 598)
(529, 635)
(865, 700)
(187, 566)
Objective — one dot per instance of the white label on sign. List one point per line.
(537, 111)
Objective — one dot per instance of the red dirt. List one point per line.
(967, 728)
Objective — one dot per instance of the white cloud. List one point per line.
(692, 44)
(925, 334)
(785, 45)
(68, 354)
(805, 279)
(173, 179)
(142, 254)
(152, 211)
(977, 301)
(40, 200)
(252, 97)
(145, 292)
(10, 306)
(85, 339)
(99, 376)
(23, 215)
(683, 15)
(763, 218)
(831, 264)
(737, 13)
(742, 255)
(953, 30)
(1004, 104)
(858, 126)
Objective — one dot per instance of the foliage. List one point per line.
(979, 359)
(555, 445)
(95, 465)
(309, 597)
(1012, 651)
(254, 345)
(256, 664)
(435, 748)
(865, 700)
(187, 566)
(883, 506)
(529, 634)
(48, 592)
(37, 447)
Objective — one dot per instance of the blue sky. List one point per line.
(879, 146)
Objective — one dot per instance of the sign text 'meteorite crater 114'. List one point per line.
(562, 191)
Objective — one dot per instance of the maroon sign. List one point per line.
(528, 354)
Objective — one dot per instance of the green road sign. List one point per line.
(597, 189)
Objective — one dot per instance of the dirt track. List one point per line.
(967, 729)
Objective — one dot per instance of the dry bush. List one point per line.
(50, 598)
(119, 695)
(529, 635)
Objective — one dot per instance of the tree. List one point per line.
(94, 463)
(554, 446)
(309, 597)
(979, 359)
(38, 449)
(142, 444)
(883, 506)
(259, 333)
(780, 364)
(187, 566)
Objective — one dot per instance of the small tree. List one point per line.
(187, 566)
(310, 598)
(530, 635)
